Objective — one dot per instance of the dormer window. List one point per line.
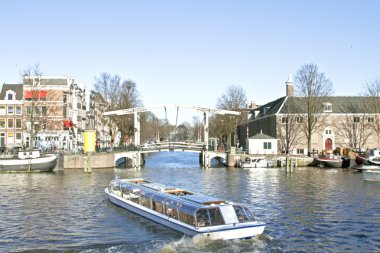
(327, 107)
(10, 95)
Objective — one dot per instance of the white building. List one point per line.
(261, 144)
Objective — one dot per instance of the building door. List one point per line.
(328, 144)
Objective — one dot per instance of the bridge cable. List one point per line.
(166, 116)
(176, 124)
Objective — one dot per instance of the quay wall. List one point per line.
(106, 160)
(100, 160)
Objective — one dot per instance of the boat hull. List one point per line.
(371, 174)
(224, 232)
(40, 164)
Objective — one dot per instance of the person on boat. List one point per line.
(169, 212)
(201, 223)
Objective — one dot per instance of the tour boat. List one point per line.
(19, 160)
(185, 211)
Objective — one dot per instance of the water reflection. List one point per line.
(309, 210)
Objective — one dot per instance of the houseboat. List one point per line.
(20, 160)
(185, 211)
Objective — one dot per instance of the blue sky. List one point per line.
(190, 52)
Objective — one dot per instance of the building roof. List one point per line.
(339, 105)
(17, 88)
(261, 136)
(49, 80)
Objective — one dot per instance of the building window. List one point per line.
(10, 139)
(28, 110)
(371, 120)
(18, 139)
(300, 151)
(327, 107)
(267, 145)
(36, 111)
(2, 109)
(2, 123)
(299, 120)
(43, 110)
(356, 119)
(10, 123)
(18, 123)
(2, 139)
(10, 109)
(18, 110)
(284, 120)
(328, 131)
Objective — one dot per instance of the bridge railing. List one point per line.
(172, 145)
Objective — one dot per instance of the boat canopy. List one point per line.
(180, 202)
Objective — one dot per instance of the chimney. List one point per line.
(252, 105)
(289, 86)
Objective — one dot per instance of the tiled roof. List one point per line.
(269, 108)
(261, 136)
(339, 104)
(18, 88)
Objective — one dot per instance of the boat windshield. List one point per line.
(243, 213)
(209, 217)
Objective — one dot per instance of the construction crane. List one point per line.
(136, 112)
(206, 112)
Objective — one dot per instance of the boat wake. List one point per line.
(201, 243)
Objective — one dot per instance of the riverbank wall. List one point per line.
(79, 161)
(107, 160)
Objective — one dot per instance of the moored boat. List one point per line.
(255, 162)
(185, 211)
(20, 160)
(332, 161)
(370, 157)
(371, 173)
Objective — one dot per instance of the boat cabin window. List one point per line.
(209, 217)
(243, 213)
(186, 218)
(202, 218)
(216, 216)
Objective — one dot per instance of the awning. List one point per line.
(35, 94)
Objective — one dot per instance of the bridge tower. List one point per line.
(136, 112)
(206, 112)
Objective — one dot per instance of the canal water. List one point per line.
(309, 210)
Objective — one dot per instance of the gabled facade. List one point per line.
(341, 122)
(11, 112)
(60, 109)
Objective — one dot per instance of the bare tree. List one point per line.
(234, 99)
(287, 132)
(197, 129)
(313, 86)
(372, 91)
(354, 126)
(119, 95)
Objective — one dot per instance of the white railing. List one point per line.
(173, 146)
